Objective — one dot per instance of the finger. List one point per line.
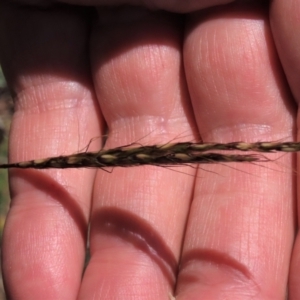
(240, 229)
(47, 68)
(138, 214)
(284, 18)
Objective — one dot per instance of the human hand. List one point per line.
(223, 232)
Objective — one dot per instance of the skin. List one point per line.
(227, 73)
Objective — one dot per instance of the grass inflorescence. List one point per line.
(170, 154)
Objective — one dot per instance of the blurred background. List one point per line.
(6, 110)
